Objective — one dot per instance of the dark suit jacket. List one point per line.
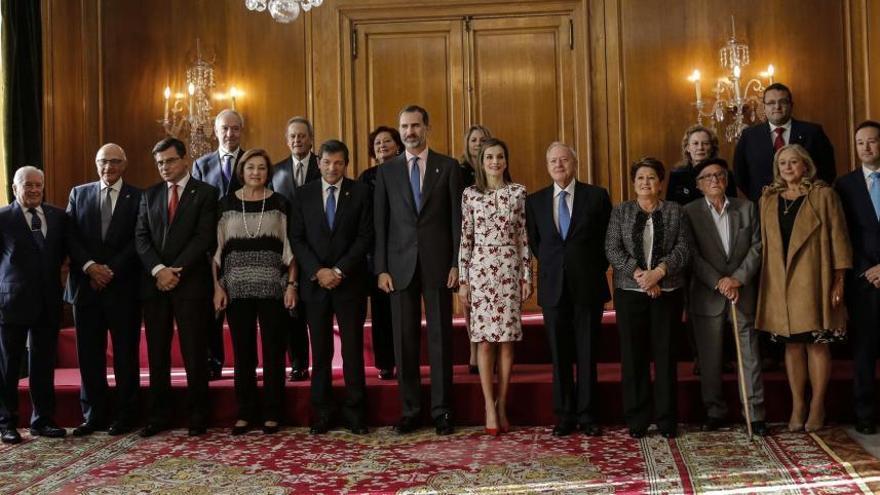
(186, 243)
(345, 247)
(282, 176)
(578, 261)
(207, 169)
(116, 251)
(30, 279)
(710, 263)
(753, 158)
(405, 235)
(864, 228)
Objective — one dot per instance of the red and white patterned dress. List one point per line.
(494, 260)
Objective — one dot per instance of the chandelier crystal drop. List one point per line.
(283, 11)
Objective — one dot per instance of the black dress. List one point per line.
(468, 176)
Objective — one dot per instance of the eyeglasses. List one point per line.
(112, 161)
(720, 176)
(167, 161)
(782, 102)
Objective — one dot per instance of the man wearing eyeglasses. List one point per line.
(176, 229)
(726, 259)
(753, 158)
(103, 287)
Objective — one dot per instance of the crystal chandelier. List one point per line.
(283, 11)
(189, 116)
(732, 100)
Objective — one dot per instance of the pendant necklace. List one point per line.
(244, 217)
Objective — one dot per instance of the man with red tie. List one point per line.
(176, 229)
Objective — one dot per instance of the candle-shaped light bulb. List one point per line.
(736, 74)
(770, 71)
(233, 92)
(736, 71)
(695, 78)
(167, 94)
(192, 91)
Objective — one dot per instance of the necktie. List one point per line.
(875, 192)
(415, 182)
(227, 169)
(299, 174)
(778, 142)
(172, 203)
(564, 215)
(106, 213)
(330, 208)
(37, 228)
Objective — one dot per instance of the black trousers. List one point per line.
(41, 371)
(406, 317)
(572, 329)
(243, 315)
(193, 317)
(350, 315)
(123, 320)
(646, 327)
(298, 339)
(216, 354)
(383, 335)
(863, 303)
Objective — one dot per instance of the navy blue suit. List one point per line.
(282, 182)
(30, 304)
(207, 168)
(115, 308)
(862, 298)
(753, 157)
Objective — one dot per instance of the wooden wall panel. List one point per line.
(872, 57)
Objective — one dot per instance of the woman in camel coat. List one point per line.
(806, 251)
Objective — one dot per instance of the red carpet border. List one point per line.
(527, 460)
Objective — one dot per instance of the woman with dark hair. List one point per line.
(255, 278)
(384, 144)
(805, 254)
(494, 273)
(468, 164)
(647, 244)
(699, 143)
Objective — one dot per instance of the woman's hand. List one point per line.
(649, 278)
(220, 299)
(290, 297)
(654, 292)
(837, 293)
(464, 294)
(525, 290)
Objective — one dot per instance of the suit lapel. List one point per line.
(864, 207)
(548, 203)
(25, 228)
(766, 143)
(796, 135)
(733, 215)
(122, 202)
(342, 201)
(400, 169)
(95, 200)
(578, 208)
(432, 172)
(186, 197)
(707, 222)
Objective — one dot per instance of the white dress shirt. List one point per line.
(423, 163)
(786, 135)
(868, 180)
(325, 192)
(300, 165)
(569, 201)
(722, 223)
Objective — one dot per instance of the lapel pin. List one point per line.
(346, 193)
(437, 170)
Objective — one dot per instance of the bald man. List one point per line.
(103, 287)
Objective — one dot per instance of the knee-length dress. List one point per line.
(494, 260)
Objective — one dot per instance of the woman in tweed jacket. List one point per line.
(647, 245)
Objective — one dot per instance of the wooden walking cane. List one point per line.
(740, 371)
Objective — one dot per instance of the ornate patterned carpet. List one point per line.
(527, 460)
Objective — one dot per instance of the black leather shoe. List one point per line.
(84, 429)
(760, 428)
(195, 431)
(215, 369)
(590, 429)
(443, 425)
(866, 427)
(712, 424)
(406, 425)
(563, 429)
(320, 426)
(151, 429)
(669, 434)
(119, 428)
(240, 429)
(358, 428)
(10, 436)
(386, 374)
(298, 375)
(636, 433)
(48, 431)
(473, 369)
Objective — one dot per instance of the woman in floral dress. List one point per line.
(494, 273)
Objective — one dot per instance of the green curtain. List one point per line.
(23, 86)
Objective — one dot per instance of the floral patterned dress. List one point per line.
(494, 261)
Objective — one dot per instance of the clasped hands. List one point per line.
(729, 288)
(99, 276)
(872, 275)
(168, 278)
(648, 281)
(328, 279)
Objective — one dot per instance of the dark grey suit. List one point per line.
(418, 247)
(710, 310)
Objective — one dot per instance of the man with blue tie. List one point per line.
(332, 232)
(566, 223)
(103, 287)
(216, 168)
(859, 193)
(32, 249)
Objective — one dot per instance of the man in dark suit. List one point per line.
(298, 169)
(566, 224)
(176, 229)
(217, 168)
(32, 249)
(103, 287)
(859, 193)
(417, 211)
(332, 234)
(753, 157)
(726, 252)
